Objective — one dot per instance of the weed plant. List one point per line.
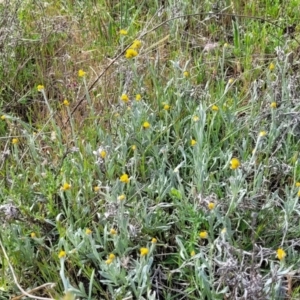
(149, 149)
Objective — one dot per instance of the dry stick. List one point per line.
(16, 280)
(156, 27)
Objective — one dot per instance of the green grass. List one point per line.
(213, 88)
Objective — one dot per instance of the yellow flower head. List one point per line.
(138, 97)
(144, 251)
(3, 118)
(133, 147)
(113, 231)
(66, 102)
(195, 118)
(203, 234)
(146, 125)
(66, 186)
(193, 142)
(123, 32)
(154, 241)
(88, 231)
(271, 66)
(33, 235)
(280, 254)
(40, 87)
(130, 53)
(96, 188)
(193, 253)
(137, 44)
(103, 153)
(273, 104)
(231, 80)
(234, 163)
(111, 256)
(14, 141)
(224, 230)
(297, 184)
(226, 45)
(166, 107)
(81, 73)
(211, 205)
(186, 74)
(109, 261)
(215, 108)
(124, 178)
(263, 133)
(61, 254)
(124, 98)
(121, 197)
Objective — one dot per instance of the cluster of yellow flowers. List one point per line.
(110, 258)
(132, 51)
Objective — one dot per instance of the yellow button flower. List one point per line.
(14, 141)
(193, 142)
(113, 231)
(61, 254)
(81, 73)
(103, 153)
(193, 253)
(88, 231)
(130, 53)
(186, 74)
(166, 107)
(271, 66)
(124, 98)
(211, 205)
(66, 102)
(154, 241)
(280, 254)
(3, 118)
(40, 87)
(234, 163)
(215, 108)
(121, 197)
(66, 186)
(123, 32)
(146, 125)
(273, 104)
(137, 44)
(124, 178)
(138, 97)
(263, 133)
(33, 235)
(144, 251)
(203, 234)
(96, 188)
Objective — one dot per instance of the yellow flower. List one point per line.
(166, 107)
(186, 74)
(271, 67)
(14, 141)
(203, 234)
(224, 230)
(130, 53)
(61, 254)
(124, 178)
(40, 87)
(111, 256)
(234, 163)
(103, 153)
(146, 125)
(297, 184)
(81, 73)
(138, 97)
(88, 231)
(96, 188)
(124, 98)
(193, 253)
(195, 118)
(33, 235)
(66, 186)
(211, 205)
(226, 45)
(113, 231)
(144, 251)
(215, 108)
(108, 261)
(123, 32)
(121, 197)
(154, 241)
(273, 104)
(263, 133)
(137, 44)
(133, 147)
(281, 254)
(3, 118)
(231, 80)
(66, 102)
(193, 142)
